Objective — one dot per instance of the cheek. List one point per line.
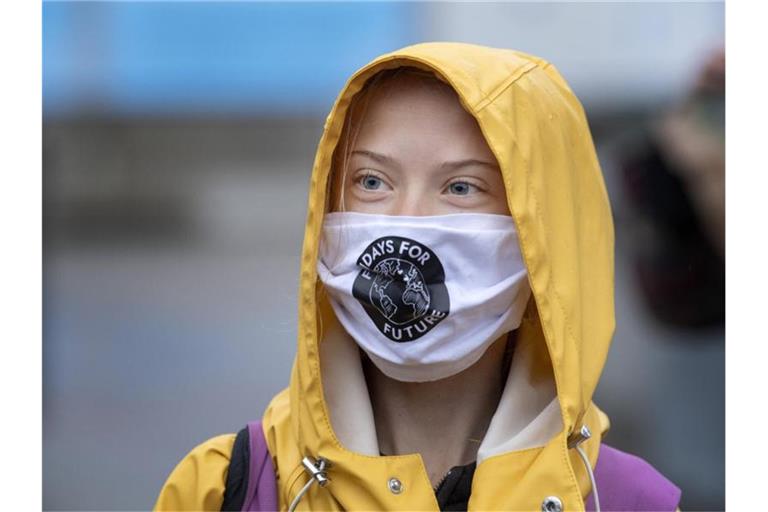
(497, 199)
(481, 202)
(373, 208)
(353, 203)
(499, 205)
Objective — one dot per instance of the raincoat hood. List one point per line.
(538, 132)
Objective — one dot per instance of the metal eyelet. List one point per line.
(579, 437)
(395, 485)
(551, 504)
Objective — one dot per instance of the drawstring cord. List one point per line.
(574, 442)
(316, 470)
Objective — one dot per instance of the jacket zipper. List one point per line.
(442, 480)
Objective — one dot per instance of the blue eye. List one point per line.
(460, 188)
(371, 182)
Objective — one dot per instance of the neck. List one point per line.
(406, 413)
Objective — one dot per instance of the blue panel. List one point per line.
(211, 57)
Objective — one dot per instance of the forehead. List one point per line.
(414, 114)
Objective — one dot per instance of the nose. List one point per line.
(415, 203)
(411, 210)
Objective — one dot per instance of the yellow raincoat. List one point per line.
(538, 132)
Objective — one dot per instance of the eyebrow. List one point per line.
(388, 160)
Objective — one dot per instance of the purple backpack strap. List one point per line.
(627, 483)
(261, 493)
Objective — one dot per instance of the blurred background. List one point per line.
(178, 140)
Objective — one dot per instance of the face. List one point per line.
(418, 152)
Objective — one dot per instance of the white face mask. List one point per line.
(423, 296)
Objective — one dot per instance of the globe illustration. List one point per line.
(399, 291)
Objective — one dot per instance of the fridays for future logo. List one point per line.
(401, 285)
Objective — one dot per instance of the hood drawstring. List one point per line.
(317, 469)
(573, 442)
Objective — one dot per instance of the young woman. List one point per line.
(456, 308)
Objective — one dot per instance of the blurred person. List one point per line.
(674, 178)
(456, 308)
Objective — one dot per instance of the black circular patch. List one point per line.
(402, 287)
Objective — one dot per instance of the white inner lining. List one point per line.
(527, 416)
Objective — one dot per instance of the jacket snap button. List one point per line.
(395, 485)
(551, 504)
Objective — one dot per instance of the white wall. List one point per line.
(612, 53)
